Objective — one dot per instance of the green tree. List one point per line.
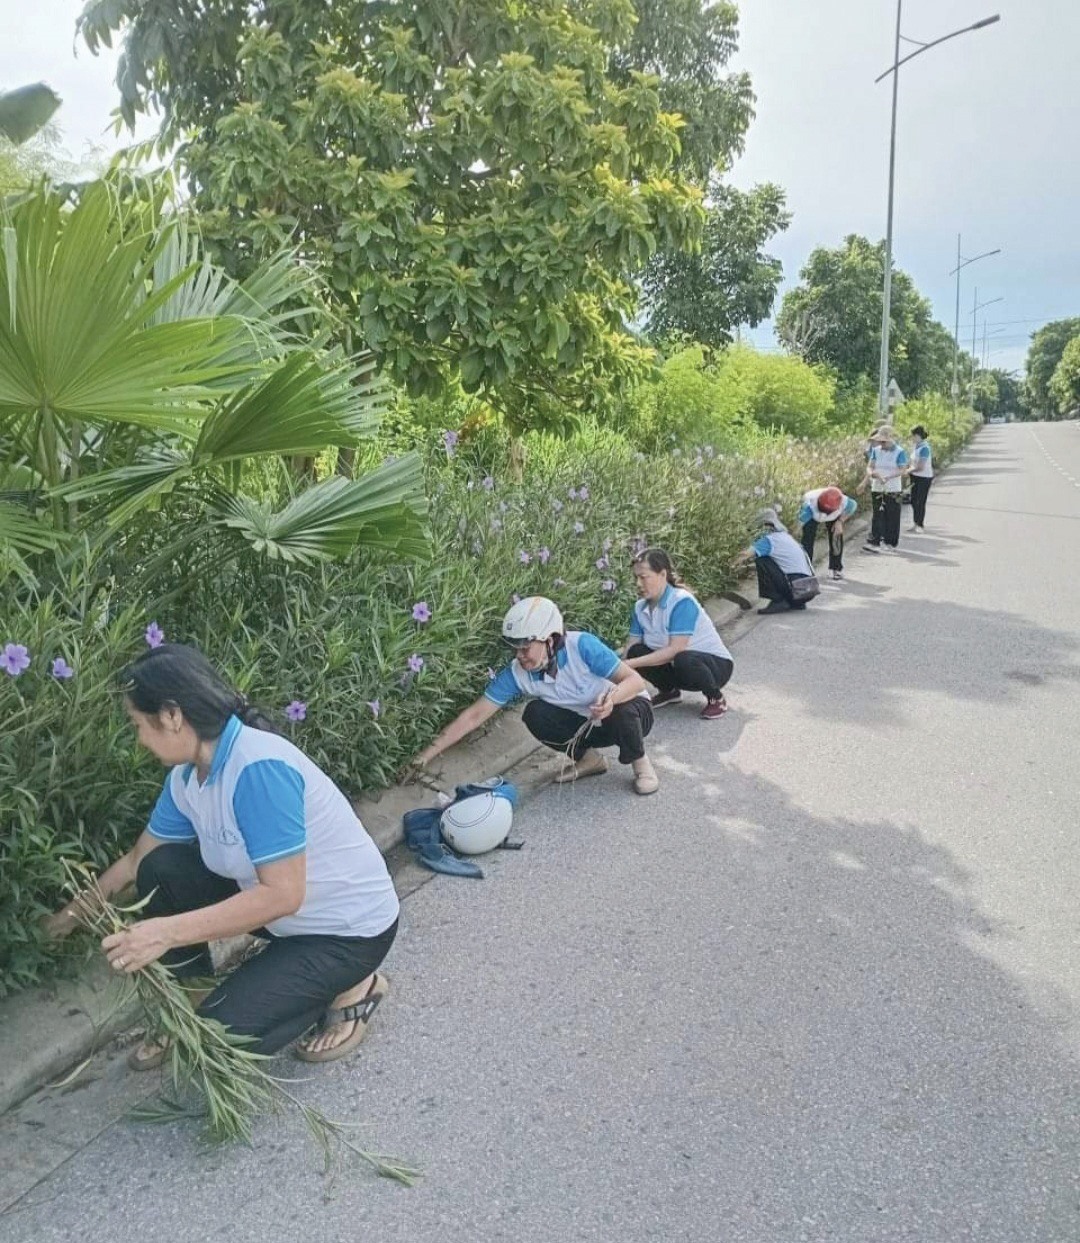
(132, 371)
(1044, 354)
(731, 280)
(834, 317)
(476, 187)
(986, 394)
(1065, 382)
(687, 45)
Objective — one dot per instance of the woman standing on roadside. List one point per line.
(673, 642)
(885, 470)
(830, 508)
(921, 474)
(247, 835)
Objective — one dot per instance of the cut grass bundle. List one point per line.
(229, 1082)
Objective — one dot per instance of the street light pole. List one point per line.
(976, 307)
(961, 263)
(886, 297)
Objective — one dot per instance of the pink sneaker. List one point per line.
(714, 709)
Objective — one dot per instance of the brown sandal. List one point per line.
(359, 1012)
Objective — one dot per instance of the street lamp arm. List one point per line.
(984, 255)
(986, 21)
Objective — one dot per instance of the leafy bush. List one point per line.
(777, 391)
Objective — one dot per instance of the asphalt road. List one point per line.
(824, 986)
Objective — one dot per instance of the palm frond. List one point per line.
(386, 508)
(301, 407)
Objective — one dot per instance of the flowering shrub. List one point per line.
(361, 662)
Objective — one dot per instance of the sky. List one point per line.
(988, 139)
(988, 147)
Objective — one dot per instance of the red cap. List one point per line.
(829, 500)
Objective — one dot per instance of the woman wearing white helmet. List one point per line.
(582, 697)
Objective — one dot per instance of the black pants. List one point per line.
(773, 583)
(275, 996)
(835, 537)
(886, 521)
(920, 490)
(626, 728)
(689, 671)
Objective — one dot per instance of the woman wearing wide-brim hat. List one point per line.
(885, 473)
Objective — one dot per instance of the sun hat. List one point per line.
(769, 518)
(883, 434)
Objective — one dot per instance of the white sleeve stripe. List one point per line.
(281, 854)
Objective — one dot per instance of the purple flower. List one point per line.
(638, 547)
(503, 506)
(602, 563)
(492, 675)
(416, 663)
(449, 440)
(608, 584)
(706, 478)
(672, 511)
(761, 491)
(557, 506)
(496, 524)
(14, 659)
(155, 636)
(559, 582)
(297, 710)
(515, 598)
(607, 545)
(544, 555)
(573, 494)
(583, 493)
(61, 670)
(375, 707)
(487, 483)
(708, 450)
(420, 612)
(579, 528)
(524, 557)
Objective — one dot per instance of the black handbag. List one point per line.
(804, 588)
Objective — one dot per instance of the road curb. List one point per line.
(46, 1031)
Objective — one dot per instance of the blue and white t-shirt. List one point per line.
(676, 613)
(886, 461)
(809, 512)
(263, 800)
(583, 669)
(786, 551)
(923, 457)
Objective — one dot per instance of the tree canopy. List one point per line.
(477, 183)
(1065, 382)
(1044, 355)
(834, 317)
(731, 280)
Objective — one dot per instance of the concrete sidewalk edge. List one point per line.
(46, 1031)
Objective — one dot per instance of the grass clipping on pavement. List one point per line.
(229, 1081)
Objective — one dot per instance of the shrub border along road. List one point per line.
(46, 1031)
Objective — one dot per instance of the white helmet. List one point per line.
(473, 826)
(536, 617)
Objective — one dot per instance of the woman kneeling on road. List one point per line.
(582, 697)
(779, 560)
(248, 835)
(673, 641)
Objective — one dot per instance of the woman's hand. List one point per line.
(601, 710)
(79, 912)
(138, 946)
